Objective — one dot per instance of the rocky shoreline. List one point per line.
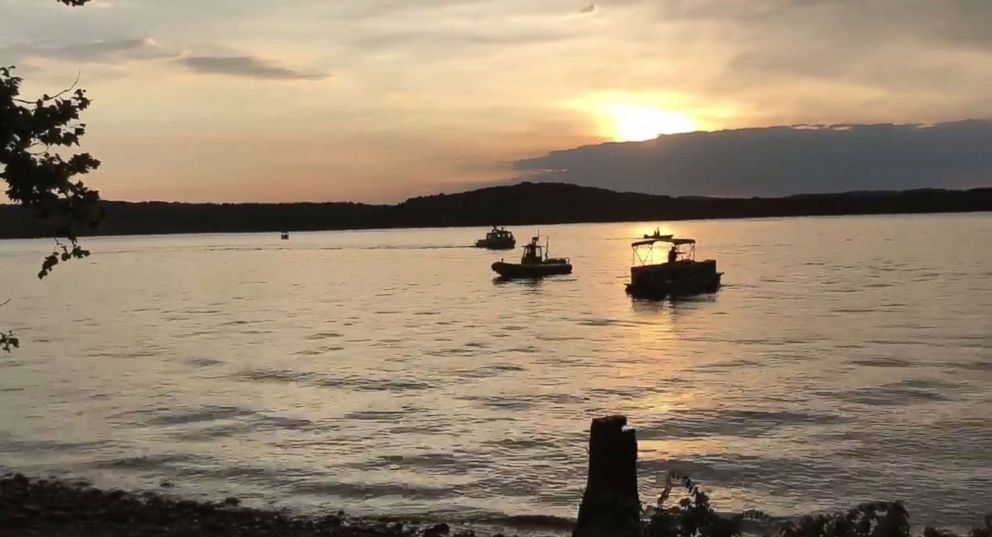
(53, 507)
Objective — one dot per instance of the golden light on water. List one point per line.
(633, 123)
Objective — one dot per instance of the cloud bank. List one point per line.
(119, 51)
(246, 66)
(100, 51)
(779, 161)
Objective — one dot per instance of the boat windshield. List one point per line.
(533, 252)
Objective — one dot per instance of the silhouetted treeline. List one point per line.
(524, 203)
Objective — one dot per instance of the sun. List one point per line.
(635, 123)
(624, 116)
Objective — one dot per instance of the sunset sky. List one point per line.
(378, 100)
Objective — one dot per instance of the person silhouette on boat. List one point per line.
(673, 255)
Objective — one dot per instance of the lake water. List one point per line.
(385, 372)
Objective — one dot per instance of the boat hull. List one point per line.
(674, 279)
(496, 244)
(535, 270)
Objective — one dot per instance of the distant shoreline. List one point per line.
(514, 205)
(480, 226)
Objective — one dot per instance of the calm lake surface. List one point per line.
(385, 372)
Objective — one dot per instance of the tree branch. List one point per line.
(43, 181)
(49, 98)
(7, 340)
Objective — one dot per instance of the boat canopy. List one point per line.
(646, 255)
(663, 238)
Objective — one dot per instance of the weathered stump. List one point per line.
(610, 505)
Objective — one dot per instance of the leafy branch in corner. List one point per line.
(37, 176)
(8, 342)
(7, 339)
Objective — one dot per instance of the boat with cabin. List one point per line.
(680, 275)
(498, 238)
(534, 263)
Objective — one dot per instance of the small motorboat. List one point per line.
(535, 263)
(497, 239)
(681, 275)
(657, 235)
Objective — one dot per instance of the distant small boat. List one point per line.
(285, 235)
(681, 275)
(657, 235)
(497, 239)
(534, 263)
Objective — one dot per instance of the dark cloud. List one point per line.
(121, 50)
(91, 52)
(782, 160)
(246, 66)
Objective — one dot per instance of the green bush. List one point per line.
(875, 519)
(693, 516)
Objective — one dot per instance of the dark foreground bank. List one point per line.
(55, 508)
(50, 508)
(610, 507)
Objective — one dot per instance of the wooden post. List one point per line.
(610, 505)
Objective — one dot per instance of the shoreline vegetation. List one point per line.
(520, 204)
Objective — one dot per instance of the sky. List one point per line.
(379, 100)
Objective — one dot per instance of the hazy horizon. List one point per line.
(380, 100)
